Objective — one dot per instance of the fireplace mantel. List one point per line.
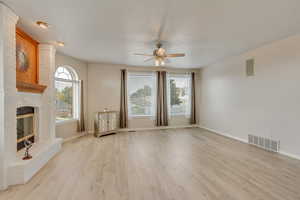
(29, 87)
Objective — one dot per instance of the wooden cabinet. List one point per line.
(106, 123)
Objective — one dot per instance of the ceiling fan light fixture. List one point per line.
(157, 62)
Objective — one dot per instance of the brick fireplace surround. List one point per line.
(13, 170)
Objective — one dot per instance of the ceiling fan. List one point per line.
(160, 56)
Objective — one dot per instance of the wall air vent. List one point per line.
(264, 143)
(250, 67)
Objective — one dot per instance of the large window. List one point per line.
(179, 94)
(66, 84)
(141, 94)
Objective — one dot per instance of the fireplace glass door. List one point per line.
(25, 129)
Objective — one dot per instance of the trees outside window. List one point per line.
(141, 94)
(179, 94)
(66, 85)
(141, 101)
(175, 93)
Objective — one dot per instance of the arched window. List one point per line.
(67, 93)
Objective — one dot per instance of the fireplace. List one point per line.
(25, 126)
(36, 123)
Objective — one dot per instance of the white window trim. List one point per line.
(76, 95)
(141, 116)
(66, 80)
(181, 114)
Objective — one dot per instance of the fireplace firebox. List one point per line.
(25, 126)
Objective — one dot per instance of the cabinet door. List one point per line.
(103, 122)
(112, 121)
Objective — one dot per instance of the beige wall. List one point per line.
(267, 104)
(69, 129)
(104, 92)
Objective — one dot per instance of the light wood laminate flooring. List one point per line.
(174, 164)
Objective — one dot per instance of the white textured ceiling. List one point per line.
(112, 30)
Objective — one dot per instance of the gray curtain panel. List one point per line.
(80, 125)
(162, 106)
(123, 106)
(193, 98)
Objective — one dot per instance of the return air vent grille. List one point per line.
(264, 143)
(250, 67)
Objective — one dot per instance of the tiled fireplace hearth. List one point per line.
(14, 170)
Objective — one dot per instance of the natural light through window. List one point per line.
(179, 94)
(66, 84)
(141, 94)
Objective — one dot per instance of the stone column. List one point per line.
(47, 70)
(8, 90)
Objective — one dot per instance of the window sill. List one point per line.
(141, 117)
(179, 117)
(67, 121)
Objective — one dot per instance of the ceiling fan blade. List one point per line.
(175, 55)
(142, 54)
(160, 30)
(148, 59)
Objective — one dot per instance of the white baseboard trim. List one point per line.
(153, 128)
(223, 134)
(245, 141)
(290, 155)
(74, 137)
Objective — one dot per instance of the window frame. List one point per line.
(153, 88)
(75, 93)
(188, 76)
